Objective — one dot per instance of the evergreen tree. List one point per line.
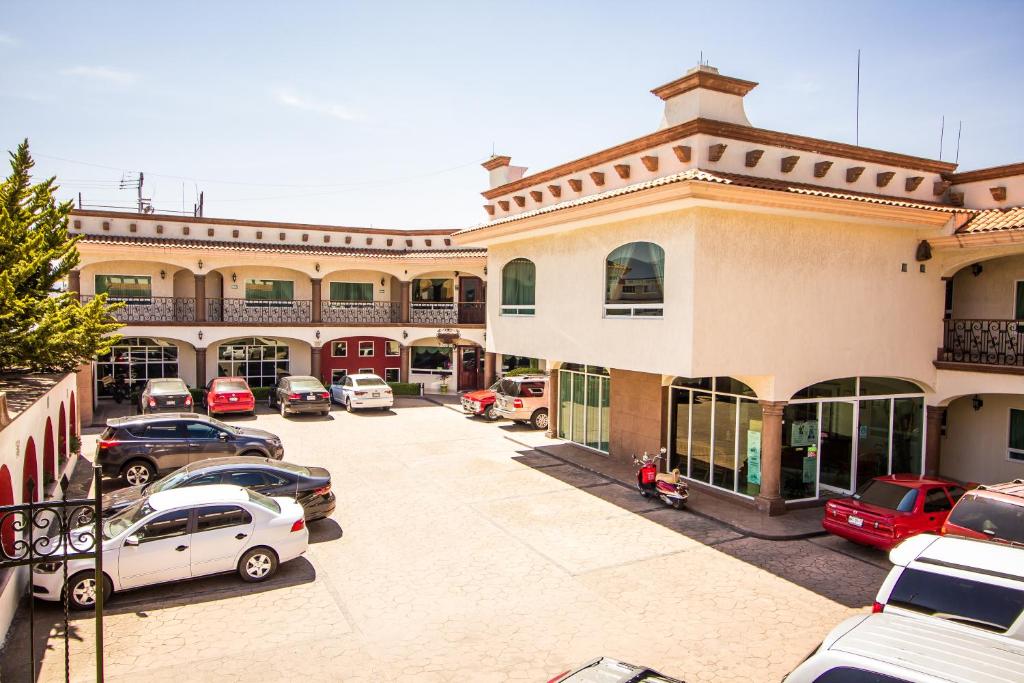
(41, 327)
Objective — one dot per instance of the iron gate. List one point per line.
(55, 531)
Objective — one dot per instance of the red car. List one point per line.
(229, 395)
(888, 509)
(481, 402)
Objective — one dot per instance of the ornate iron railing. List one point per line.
(360, 311)
(154, 309)
(434, 313)
(258, 311)
(987, 342)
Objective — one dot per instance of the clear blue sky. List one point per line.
(379, 113)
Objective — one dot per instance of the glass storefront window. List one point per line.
(584, 406)
(724, 462)
(700, 436)
(846, 386)
(907, 419)
(748, 470)
(135, 360)
(799, 451)
(260, 360)
(431, 359)
(873, 440)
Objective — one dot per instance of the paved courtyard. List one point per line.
(459, 553)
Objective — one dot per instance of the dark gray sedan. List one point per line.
(165, 395)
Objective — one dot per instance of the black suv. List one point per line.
(137, 448)
(300, 394)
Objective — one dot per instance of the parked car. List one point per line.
(524, 399)
(167, 394)
(992, 513)
(482, 402)
(973, 586)
(138, 448)
(889, 648)
(300, 394)
(608, 670)
(364, 390)
(180, 534)
(229, 395)
(888, 509)
(309, 486)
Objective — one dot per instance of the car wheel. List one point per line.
(81, 590)
(138, 472)
(257, 564)
(348, 405)
(492, 413)
(284, 411)
(540, 419)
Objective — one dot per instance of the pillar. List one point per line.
(769, 501)
(75, 283)
(200, 367)
(406, 297)
(200, 297)
(315, 304)
(490, 368)
(552, 404)
(933, 440)
(314, 361)
(403, 373)
(85, 400)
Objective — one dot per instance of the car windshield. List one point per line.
(172, 480)
(168, 387)
(122, 521)
(985, 605)
(996, 519)
(234, 385)
(370, 382)
(306, 385)
(264, 501)
(887, 495)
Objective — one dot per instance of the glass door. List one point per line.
(835, 445)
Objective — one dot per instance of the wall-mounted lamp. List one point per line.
(317, 266)
(234, 277)
(163, 274)
(200, 334)
(976, 269)
(456, 273)
(977, 403)
(382, 282)
(200, 264)
(405, 335)
(317, 334)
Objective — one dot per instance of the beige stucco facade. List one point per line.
(975, 444)
(991, 293)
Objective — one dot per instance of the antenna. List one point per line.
(942, 132)
(857, 116)
(959, 130)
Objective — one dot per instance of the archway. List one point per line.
(49, 453)
(136, 360)
(6, 498)
(351, 355)
(62, 438)
(73, 415)
(30, 474)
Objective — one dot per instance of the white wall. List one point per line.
(159, 286)
(975, 446)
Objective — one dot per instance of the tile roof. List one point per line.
(311, 250)
(995, 220)
(700, 175)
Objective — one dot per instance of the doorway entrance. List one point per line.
(470, 368)
(471, 300)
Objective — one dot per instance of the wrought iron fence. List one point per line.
(154, 309)
(258, 311)
(360, 311)
(987, 342)
(434, 313)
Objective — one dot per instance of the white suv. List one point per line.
(972, 586)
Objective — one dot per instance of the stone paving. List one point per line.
(458, 554)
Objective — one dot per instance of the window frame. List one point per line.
(429, 371)
(1018, 300)
(341, 374)
(133, 300)
(628, 310)
(343, 345)
(526, 310)
(387, 348)
(371, 349)
(279, 303)
(365, 371)
(398, 374)
(1015, 455)
(330, 292)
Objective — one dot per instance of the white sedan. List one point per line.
(181, 534)
(364, 390)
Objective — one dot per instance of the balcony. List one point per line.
(448, 313)
(983, 342)
(361, 312)
(258, 311)
(154, 309)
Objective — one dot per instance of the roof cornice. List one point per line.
(990, 173)
(706, 80)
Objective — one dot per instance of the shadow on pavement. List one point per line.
(324, 530)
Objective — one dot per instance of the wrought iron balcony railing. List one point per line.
(986, 342)
(258, 311)
(153, 309)
(435, 313)
(360, 311)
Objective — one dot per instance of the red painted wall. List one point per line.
(353, 362)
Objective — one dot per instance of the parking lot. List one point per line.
(458, 552)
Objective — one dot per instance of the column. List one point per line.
(933, 440)
(403, 373)
(201, 367)
(314, 361)
(770, 500)
(315, 305)
(75, 283)
(490, 368)
(200, 297)
(406, 295)
(552, 403)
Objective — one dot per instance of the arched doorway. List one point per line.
(351, 355)
(73, 415)
(6, 498)
(49, 453)
(62, 438)
(30, 474)
(135, 360)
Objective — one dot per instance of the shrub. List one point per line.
(75, 445)
(197, 396)
(406, 388)
(515, 372)
(261, 393)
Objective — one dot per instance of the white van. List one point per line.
(889, 648)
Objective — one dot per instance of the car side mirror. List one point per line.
(222, 436)
(132, 540)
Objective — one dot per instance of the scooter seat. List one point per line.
(669, 478)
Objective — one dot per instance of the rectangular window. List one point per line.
(436, 290)
(365, 371)
(338, 376)
(431, 359)
(510, 363)
(973, 603)
(1016, 434)
(281, 291)
(392, 348)
(365, 349)
(137, 288)
(1019, 303)
(339, 349)
(392, 375)
(351, 291)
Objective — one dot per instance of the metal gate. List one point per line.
(50, 532)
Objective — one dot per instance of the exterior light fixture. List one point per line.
(163, 274)
(200, 264)
(977, 403)
(382, 282)
(456, 273)
(317, 334)
(200, 334)
(976, 269)
(234, 277)
(405, 335)
(317, 266)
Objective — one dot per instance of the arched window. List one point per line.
(518, 287)
(260, 360)
(135, 360)
(635, 281)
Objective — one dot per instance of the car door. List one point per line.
(206, 441)
(166, 444)
(936, 507)
(163, 552)
(221, 533)
(346, 389)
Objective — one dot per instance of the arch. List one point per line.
(518, 287)
(721, 385)
(261, 360)
(635, 280)
(850, 387)
(73, 412)
(30, 473)
(62, 437)
(140, 359)
(349, 355)
(963, 258)
(6, 498)
(49, 452)
(159, 285)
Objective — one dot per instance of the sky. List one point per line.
(380, 113)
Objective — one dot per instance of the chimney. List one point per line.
(703, 93)
(501, 172)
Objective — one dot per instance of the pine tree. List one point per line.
(41, 327)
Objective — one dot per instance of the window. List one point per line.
(351, 291)
(365, 371)
(888, 496)
(972, 603)
(584, 395)
(518, 287)
(990, 517)
(167, 525)
(201, 430)
(392, 348)
(135, 360)
(365, 349)
(135, 288)
(263, 292)
(1019, 301)
(635, 281)
(510, 363)
(260, 360)
(246, 479)
(164, 430)
(220, 517)
(1016, 434)
(337, 376)
(936, 500)
(339, 349)
(847, 674)
(434, 290)
(431, 359)
(392, 375)
(204, 480)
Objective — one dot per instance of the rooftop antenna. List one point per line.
(857, 123)
(959, 130)
(942, 132)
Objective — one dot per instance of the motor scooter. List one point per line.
(669, 487)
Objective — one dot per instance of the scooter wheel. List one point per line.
(678, 503)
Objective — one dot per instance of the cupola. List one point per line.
(703, 93)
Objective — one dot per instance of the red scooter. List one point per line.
(669, 487)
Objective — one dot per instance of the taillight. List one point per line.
(188, 400)
(518, 403)
(152, 402)
(299, 525)
(293, 397)
(107, 443)
(559, 676)
(324, 394)
(361, 393)
(322, 491)
(877, 607)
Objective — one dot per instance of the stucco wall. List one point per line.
(303, 287)
(159, 286)
(991, 294)
(636, 419)
(381, 292)
(975, 446)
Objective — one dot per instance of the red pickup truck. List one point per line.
(481, 402)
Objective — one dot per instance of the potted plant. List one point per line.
(443, 387)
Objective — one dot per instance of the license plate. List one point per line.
(855, 521)
(233, 399)
(376, 394)
(170, 402)
(310, 397)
